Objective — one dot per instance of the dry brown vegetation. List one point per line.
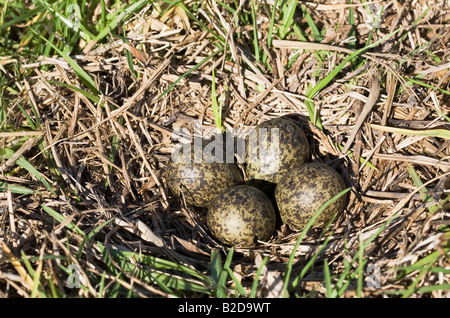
(104, 154)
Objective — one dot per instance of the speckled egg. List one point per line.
(199, 176)
(301, 192)
(271, 153)
(240, 216)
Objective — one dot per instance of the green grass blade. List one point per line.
(315, 30)
(220, 41)
(90, 236)
(256, 278)
(160, 263)
(405, 35)
(423, 191)
(155, 270)
(412, 288)
(313, 114)
(352, 32)
(55, 292)
(101, 288)
(26, 16)
(149, 275)
(421, 263)
(112, 25)
(414, 267)
(312, 92)
(302, 234)
(217, 273)
(27, 116)
(103, 12)
(327, 280)
(221, 291)
(360, 270)
(206, 59)
(347, 276)
(376, 23)
(217, 110)
(310, 263)
(288, 17)
(168, 265)
(440, 133)
(330, 76)
(62, 219)
(36, 288)
(21, 161)
(3, 12)
(84, 77)
(226, 267)
(293, 59)
(432, 288)
(4, 187)
(299, 33)
(75, 27)
(216, 265)
(270, 32)
(255, 33)
(92, 97)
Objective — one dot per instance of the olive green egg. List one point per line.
(240, 216)
(198, 176)
(302, 191)
(275, 147)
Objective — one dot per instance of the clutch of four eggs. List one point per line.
(276, 156)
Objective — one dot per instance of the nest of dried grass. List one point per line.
(110, 155)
